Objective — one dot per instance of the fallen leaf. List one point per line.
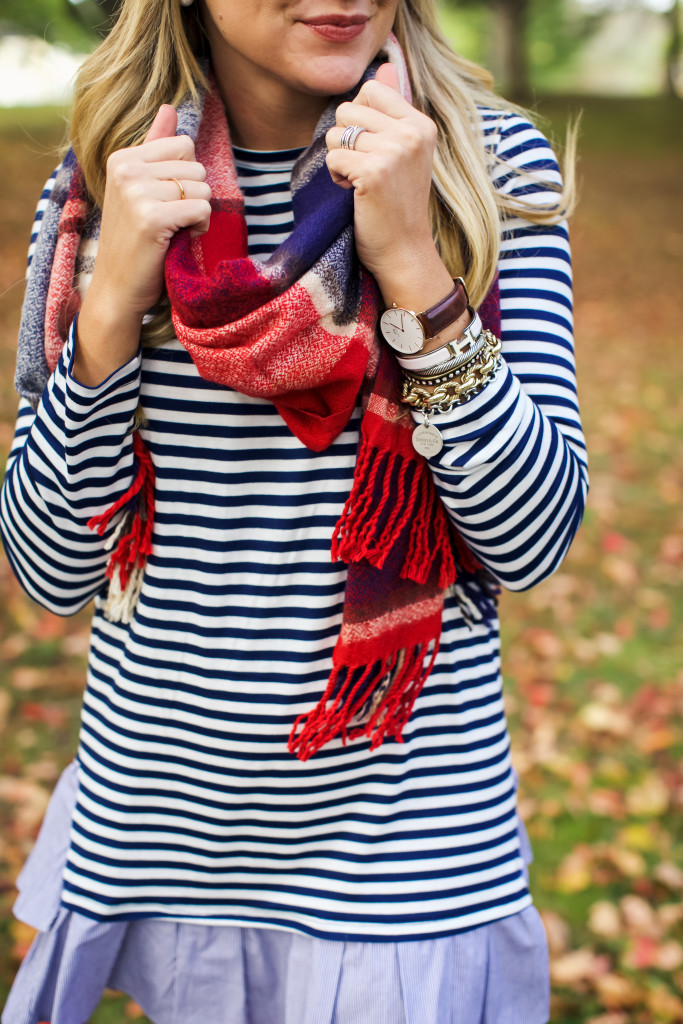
(641, 955)
(557, 931)
(617, 992)
(627, 862)
(604, 718)
(670, 875)
(22, 937)
(638, 836)
(620, 571)
(669, 915)
(606, 802)
(29, 678)
(665, 1005)
(604, 919)
(579, 965)
(50, 714)
(669, 956)
(639, 917)
(5, 707)
(648, 798)
(573, 874)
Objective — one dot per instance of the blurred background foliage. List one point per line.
(593, 658)
(530, 45)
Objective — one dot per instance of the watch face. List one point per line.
(402, 331)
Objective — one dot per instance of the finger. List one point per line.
(351, 168)
(183, 170)
(367, 117)
(173, 147)
(363, 144)
(382, 97)
(164, 125)
(169, 192)
(387, 74)
(188, 213)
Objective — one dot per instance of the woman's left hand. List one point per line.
(390, 169)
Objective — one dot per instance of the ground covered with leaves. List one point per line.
(592, 658)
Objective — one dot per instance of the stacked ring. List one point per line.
(350, 136)
(182, 190)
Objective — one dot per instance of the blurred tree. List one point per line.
(110, 7)
(74, 23)
(527, 38)
(507, 41)
(510, 41)
(673, 49)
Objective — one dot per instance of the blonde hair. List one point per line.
(151, 56)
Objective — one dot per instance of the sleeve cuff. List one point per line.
(82, 395)
(477, 432)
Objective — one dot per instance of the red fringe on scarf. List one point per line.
(386, 691)
(135, 545)
(407, 490)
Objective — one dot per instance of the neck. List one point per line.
(264, 115)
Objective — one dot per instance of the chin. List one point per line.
(333, 76)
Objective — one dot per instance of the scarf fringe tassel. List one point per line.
(383, 693)
(131, 541)
(407, 501)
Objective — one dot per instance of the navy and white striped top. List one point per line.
(190, 806)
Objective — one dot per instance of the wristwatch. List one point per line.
(407, 331)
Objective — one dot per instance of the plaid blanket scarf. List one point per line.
(299, 330)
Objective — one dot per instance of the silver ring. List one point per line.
(350, 136)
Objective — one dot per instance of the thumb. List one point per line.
(387, 74)
(164, 124)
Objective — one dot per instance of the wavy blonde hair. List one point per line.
(151, 56)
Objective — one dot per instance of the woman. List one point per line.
(293, 798)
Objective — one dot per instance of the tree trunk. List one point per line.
(673, 48)
(510, 30)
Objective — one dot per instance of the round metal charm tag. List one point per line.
(427, 440)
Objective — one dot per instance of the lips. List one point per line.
(337, 28)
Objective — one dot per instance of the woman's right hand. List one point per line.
(142, 210)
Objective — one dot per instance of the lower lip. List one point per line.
(338, 33)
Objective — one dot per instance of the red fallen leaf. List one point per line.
(49, 627)
(624, 628)
(613, 542)
(643, 953)
(660, 617)
(659, 737)
(48, 713)
(671, 549)
(540, 694)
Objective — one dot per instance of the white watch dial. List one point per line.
(402, 331)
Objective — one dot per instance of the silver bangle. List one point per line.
(452, 350)
(452, 364)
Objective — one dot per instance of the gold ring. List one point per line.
(182, 190)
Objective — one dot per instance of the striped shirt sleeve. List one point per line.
(70, 461)
(513, 470)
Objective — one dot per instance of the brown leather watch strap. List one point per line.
(438, 317)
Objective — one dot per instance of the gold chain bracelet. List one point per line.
(452, 392)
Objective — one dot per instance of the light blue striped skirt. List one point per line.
(183, 973)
